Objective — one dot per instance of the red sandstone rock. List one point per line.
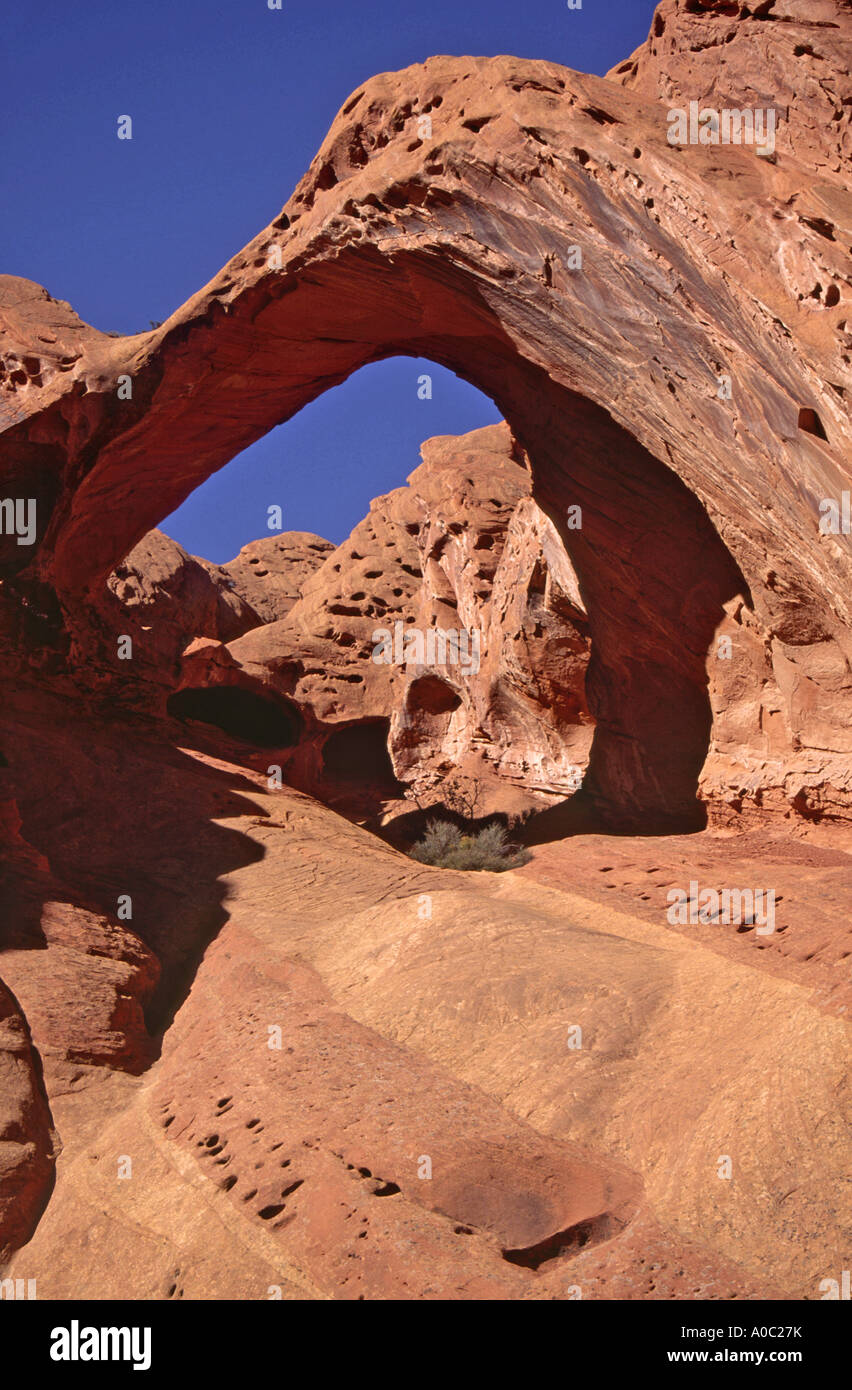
(270, 573)
(792, 55)
(26, 1138)
(164, 600)
(698, 263)
(161, 598)
(396, 1043)
(463, 551)
(425, 1013)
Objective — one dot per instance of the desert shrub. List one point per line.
(445, 847)
(441, 838)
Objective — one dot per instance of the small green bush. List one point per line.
(445, 847)
(441, 839)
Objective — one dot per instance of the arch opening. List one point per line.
(323, 468)
(653, 573)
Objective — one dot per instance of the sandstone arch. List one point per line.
(698, 511)
(530, 156)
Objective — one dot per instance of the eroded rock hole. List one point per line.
(431, 695)
(810, 422)
(359, 753)
(562, 1243)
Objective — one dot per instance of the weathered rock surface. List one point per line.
(357, 1013)
(791, 55)
(463, 551)
(26, 1132)
(699, 262)
(809, 876)
(295, 1018)
(270, 573)
(163, 599)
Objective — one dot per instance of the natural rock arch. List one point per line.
(461, 245)
(653, 572)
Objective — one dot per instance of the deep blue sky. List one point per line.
(230, 101)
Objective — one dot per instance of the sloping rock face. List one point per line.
(792, 55)
(663, 326)
(446, 634)
(261, 1053)
(376, 1057)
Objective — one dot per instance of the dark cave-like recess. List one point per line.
(433, 696)
(359, 753)
(242, 713)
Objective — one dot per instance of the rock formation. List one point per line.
(603, 286)
(355, 1013)
(163, 599)
(269, 573)
(464, 559)
(789, 54)
(334, 1072)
